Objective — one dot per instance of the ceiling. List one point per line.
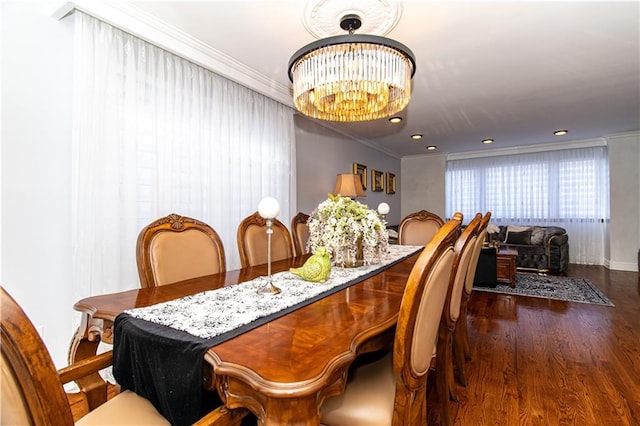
(511, 71)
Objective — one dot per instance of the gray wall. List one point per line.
(321, 154)
(424, 179)
(423, 184)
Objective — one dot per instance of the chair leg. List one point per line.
(458, 358)
(462, 328)
(442, 385)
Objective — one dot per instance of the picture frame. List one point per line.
(361, 169)
(390, 179)
(377, 180)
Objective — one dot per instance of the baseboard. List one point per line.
(621, 266)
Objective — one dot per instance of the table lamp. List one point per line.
(349, 185)
(269, 208)
(383, 210)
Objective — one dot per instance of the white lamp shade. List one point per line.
(383, 208)
(269, 208)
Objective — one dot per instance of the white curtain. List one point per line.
(566, 188)
(154, 134)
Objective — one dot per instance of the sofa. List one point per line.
(542, 249)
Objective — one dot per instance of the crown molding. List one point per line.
(623, 135)
(131, 19)
(584, 143)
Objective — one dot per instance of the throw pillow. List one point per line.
(522, 238)
(513, 228)
(537, 235)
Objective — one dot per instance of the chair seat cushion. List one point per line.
(126, 408)
(368, 397)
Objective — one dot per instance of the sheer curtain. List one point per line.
(566, 188)
(154, 134)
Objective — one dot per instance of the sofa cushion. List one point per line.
(523, 237)
(537, 235)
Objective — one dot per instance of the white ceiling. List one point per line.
(512, 71)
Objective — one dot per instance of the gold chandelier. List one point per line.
(352, 77)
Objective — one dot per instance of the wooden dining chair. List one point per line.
(32, 392)
(393, 389)
(252, 241)
(176, 248)
(445, 382)
(300, 233)
(461, 347)
(419, 228)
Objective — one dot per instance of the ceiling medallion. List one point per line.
(379, 17)
(352, 77)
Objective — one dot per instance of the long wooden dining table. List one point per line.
(283, 370)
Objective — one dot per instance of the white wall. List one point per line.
(624, 181)
(36, 174)
(423, 180)
(321, 154)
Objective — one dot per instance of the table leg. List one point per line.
(84, 344)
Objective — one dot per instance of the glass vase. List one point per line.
(350, 257)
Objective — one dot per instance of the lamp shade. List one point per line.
(349, 185)
(268, 208)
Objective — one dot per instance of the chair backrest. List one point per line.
(419, 319)
(473, 262)
(300, 232)
(463, 249)
(252, 241)
(419, 228)
(176, 248)
(32, 392)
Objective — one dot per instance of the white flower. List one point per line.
(339, 223)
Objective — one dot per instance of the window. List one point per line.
(566, 188)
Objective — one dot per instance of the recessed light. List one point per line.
(487, 141)
(431, 147)
(395, 120)
(560, 132)
(416, 136)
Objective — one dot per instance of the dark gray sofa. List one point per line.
(540, 248)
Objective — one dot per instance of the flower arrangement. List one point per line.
(346, 227)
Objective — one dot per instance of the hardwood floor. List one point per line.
(546, 362)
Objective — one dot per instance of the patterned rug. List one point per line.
(551, 287)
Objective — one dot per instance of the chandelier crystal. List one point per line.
(352, 77)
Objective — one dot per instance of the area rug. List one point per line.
(552, 287)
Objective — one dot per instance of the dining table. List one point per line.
(280, 368)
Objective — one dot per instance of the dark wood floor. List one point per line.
(546, 362)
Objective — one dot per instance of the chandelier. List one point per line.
(352, 77)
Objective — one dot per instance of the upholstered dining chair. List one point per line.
(175, 248)
(445, 382)
(252, 241)
(300, 232)
(31, 387)
(418, 228)
(393, 389)
(461, 347)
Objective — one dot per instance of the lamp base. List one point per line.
(269, 289)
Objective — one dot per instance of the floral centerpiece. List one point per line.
(352, 233)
